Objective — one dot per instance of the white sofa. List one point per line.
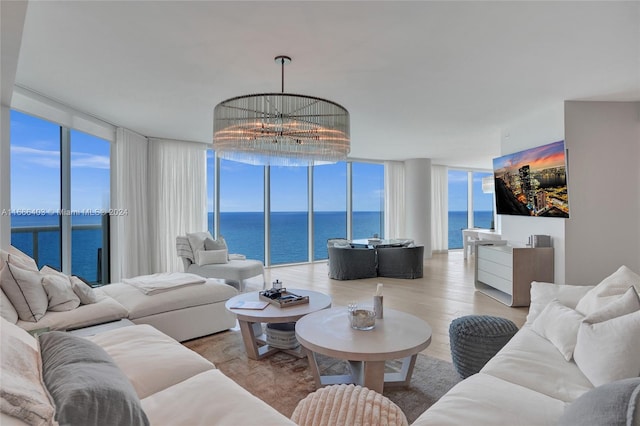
(174, 385)
(183, 313)
(530, 382)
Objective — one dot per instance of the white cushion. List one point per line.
(140, 305)
(559, 324)
(107, 309)
(211, 244)
(209, 398)
(212, 257)
(484, 400)
(196, 241)
(612, 286)
(543, 293)
(150, 359)
(609, 350)
(85, 293)
(60, 293)
(18, 258)
(628, 303)
(23, 392)
(7, 311)
(24, 289)
(533, 362)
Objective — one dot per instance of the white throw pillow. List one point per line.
(543, 293)
(210, 257)
(24, 395)
(608, 290)
(211, 244)
(628, 303)
(85, 293)
(559, 324)
(7, 311)
(196, 241)
(18, 258)
(24, 289)
(609, 350)
(60, 293)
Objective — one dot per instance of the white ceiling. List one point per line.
(421, 79)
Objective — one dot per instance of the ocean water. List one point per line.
(244, 233)
(458, 222)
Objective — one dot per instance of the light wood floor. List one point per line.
(444, 293)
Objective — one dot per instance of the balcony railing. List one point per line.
(101, 275)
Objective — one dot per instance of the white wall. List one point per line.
(539, 128)
(5, 179)
(603, 232)
(418, 202)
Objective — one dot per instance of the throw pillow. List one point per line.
(24, 290)
(7, 311)
(210, 257)
(87, 386)
(196, 240)
(608, 290)
(211, 244)
(60, 293)
(84, 291)
(613, 404)
(559, 324)
(23, 393)
(608, 351)
(543, 293)
(627, 303)
(18, 258)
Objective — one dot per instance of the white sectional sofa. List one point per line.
(183, 313)
(531, 381)
(173, 385)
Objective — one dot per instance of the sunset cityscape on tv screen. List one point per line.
(532, 182)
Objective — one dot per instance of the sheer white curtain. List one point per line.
(394, 202)
(177, 198)
(439, 209)
(130, 232)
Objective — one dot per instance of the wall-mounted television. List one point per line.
(533, 182)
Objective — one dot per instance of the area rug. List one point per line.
(282, 380)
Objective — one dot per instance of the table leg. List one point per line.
(249, 339)
(373, 375)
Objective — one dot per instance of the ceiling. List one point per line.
(435, 80)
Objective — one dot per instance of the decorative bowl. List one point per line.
(362, 319)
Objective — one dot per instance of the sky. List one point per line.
(538, 158)
(35, 178)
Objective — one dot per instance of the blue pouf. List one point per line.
(475, 339)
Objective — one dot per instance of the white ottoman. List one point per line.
(183, 313)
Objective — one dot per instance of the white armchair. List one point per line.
(234, 272)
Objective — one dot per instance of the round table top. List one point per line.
(397, 335)
(275, 314)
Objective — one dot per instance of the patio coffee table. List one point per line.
(272, 314)
(397, 336)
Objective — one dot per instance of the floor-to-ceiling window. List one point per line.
(294, 235)
(458, 206)
(35, 188)
(469, 205)
(211, 191)
(90, 164)
(482, 201)
(367, 185)
(289, 234)
(242, 208)
(59, 192)
(329, 206)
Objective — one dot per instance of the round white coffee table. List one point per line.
(272, 314)
(397, 336)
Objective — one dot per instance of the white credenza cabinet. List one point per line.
(505, 272)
